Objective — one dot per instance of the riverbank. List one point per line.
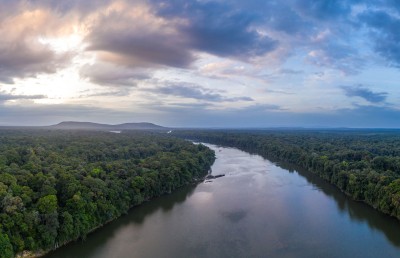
(43, 253)
(256, 210)
(359, 164)
(82, 180)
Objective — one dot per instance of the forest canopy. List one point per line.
(57, 186)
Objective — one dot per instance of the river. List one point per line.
(259, 209)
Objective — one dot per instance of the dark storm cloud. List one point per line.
(210, 27)
(218, 28)
(111, 75)
(138, 43)
(385, 33)
(362, 92)
(193, 91)
(281, 16)
(21, 59)
(231, 28)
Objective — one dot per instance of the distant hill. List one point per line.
(72, 125)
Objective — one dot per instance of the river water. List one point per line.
(259, 209)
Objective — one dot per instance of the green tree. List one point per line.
(6, 249)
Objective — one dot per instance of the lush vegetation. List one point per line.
(57, 186)
(364, 164)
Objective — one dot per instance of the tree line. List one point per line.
(364, 164)
(57, 186)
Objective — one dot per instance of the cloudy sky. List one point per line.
(204, 63)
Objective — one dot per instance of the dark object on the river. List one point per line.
(209, 176)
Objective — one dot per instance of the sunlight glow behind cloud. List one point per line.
(285, 63)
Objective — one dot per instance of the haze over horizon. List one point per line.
(291, 63)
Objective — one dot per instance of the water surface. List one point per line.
(258, 209)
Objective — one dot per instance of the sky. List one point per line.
(253, 63)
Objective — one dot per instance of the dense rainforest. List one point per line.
(57, 186)
(364, 164)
